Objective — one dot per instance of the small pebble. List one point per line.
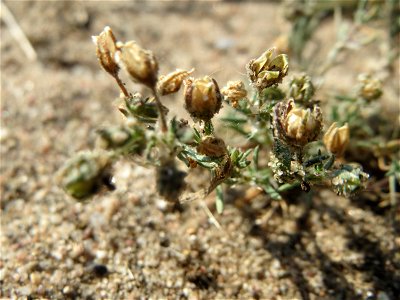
(67, 289)
(35, 278)
(100, 270)
(164, 241)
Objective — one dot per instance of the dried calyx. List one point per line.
(234, 91)
(171, 83)
(267, 71)
(336, 139)
(296, 126)
(212, 146)
(140, 64)
(203, 98)
(105, 50)
(301, 89)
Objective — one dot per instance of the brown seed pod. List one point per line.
(212, 146)
(203, 98)
(140, 64)
(105, 50)
(171, 83)
(336, 139)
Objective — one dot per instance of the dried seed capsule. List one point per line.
(336, 139)
(171, 83)
(296, 126)
(141, 64)
(266, 71)
(234, 91)
(105, 50)
(370, 88)
(212, 146)
(203, 98)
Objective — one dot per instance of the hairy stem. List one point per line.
(163, 122)
(121, 86)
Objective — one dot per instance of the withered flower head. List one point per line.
(301, 88)
(336, 139)
(370, 88)
(171, 83)
(234, 91)
(203, 98)
(141, 64)
(296, 126)
(266, 71)
(105, 50)
(212, 146)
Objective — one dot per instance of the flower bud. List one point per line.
(301, 89)
(141, 64)
(202, 98)
(296, 126)
(370, 88)
(172, 82)
(234, 91)
(266, 71)
(212, 146)
(336, 139)
(105, 50)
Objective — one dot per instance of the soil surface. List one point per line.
(128, 244)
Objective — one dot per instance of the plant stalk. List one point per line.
(121, 86)
(163, 121)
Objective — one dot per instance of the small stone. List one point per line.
(100, 270)
(3, 273)
(35, 278)
(67, 289)
(25, 290)
(162, 205)
(77, 251)
(164, 241)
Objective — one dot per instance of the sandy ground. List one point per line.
(126, 244)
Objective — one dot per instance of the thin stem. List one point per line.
(121, 86)
(208, 127)
(17, 32)
(164, 127)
